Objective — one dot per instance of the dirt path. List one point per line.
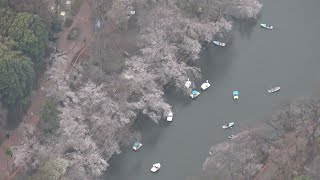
(81, 21)
(16, 135)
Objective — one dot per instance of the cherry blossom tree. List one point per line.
(241, 158)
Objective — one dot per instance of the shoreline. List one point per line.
(279, 148)
(73, 120)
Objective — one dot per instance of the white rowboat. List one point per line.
(188, 83)
(267, 26)
(155, 167)
(229, 125)
(170, 117)
(273, 90)
(218, 43)
(205, 85)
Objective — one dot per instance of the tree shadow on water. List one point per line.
(174, 97)
(118, 163)
(151, 131)
(215, 61)
(245, 27)
(130, 162)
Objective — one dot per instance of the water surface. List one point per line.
(255, 60)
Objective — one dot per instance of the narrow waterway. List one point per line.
(255, 60)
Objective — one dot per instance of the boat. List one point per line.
(229, 125)
(205, 85)
(155, 167)
(235, 95)
(231, 136)
(194, 94)
(218, 43)
(267, 26)
(170, 117)
(273, 90)
(188, 83)
(136, 146)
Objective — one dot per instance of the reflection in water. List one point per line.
(137, 166)
(117, 165)
(145, 126)
(245, 28)
(215, 61)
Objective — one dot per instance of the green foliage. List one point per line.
(302, 177)
(9, 152)
(49, 115)
(73, 34)
(6, 19)
(75, 7)
(3, 3)
(68, 22)
(52, 169)
(55, 27)
(30, 35)
(26, 100)
(16, 75)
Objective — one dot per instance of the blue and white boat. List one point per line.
(235, 95)
(136, 146)
(194, 94)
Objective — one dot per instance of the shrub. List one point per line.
(49, 115)
(73, 34)
(9, 152)
(55, 25)
(53, 36)
(68, 22)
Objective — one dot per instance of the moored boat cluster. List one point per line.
(194, 93)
